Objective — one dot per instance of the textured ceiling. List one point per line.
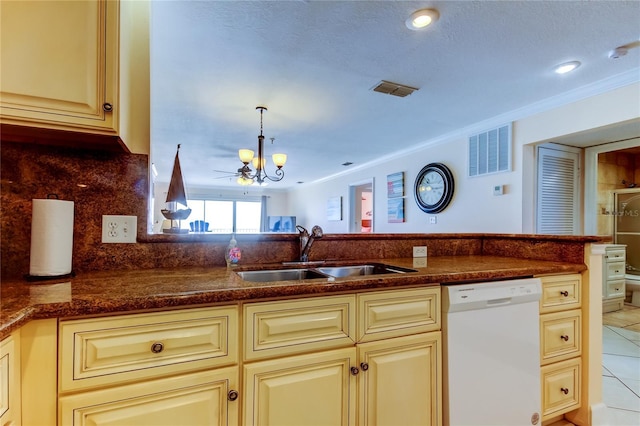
(314, 63)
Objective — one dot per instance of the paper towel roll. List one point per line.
(51, 238)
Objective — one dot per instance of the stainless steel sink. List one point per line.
(321, 272)
(281, 275)
(367, 269)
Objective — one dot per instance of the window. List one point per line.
(226, 216)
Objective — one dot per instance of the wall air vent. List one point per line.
(394, 89)
(490, 151)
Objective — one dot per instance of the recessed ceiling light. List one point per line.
(567, 67)
(422, 18)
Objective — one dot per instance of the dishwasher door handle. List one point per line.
(497, 302)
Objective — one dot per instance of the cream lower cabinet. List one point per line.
(10, 399)
(312, 389)
(560, 345)
(367, 359)
(613, 277)
(165, 368)
(400, 382)
(189, 399)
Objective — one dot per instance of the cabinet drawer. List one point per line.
(614, 270)
(615, 288)
(99, 351)
(560, 387)
(560, 336)
(385, 314)
(615, 255)
(297, 326)
(188, 399)
(560, 293)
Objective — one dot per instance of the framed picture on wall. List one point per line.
(395, 185)
(395, 210)
(334, 208)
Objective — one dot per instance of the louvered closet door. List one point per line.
(558, 201)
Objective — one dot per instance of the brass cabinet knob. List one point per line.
(232, 395)
(157, 347)
(364, 366)
(354, 371)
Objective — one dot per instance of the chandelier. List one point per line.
(247, 176)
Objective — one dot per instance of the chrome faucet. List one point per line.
(307, 240)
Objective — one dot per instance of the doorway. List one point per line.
(361, 211)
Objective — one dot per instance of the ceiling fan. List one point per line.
(228, 174)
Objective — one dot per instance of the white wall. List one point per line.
(474, 208)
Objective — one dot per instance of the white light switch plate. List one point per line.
(119, 229)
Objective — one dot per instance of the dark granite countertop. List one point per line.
(123, 291)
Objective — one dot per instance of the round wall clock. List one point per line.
(433, 188)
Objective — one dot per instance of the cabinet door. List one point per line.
(10, 380)
(313, 389)
(191, 399)
(401, 381)
(59, 64)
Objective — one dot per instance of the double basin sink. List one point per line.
(327, 272)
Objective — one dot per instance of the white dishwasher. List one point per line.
(491, 353)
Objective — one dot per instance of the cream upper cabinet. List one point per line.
(64, 66)
(10, 411)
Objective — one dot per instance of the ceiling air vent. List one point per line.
(394, 89)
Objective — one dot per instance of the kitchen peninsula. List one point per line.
(42, 314)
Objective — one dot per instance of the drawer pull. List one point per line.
(564, 390)
(157, 347)
(364, 366)
(354, 371)
(565, 293)
(232, 395)
(565, 338)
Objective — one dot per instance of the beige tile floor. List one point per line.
(621, 366)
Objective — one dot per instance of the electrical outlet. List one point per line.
(420, 251)
(119, 229)
(433, 220)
